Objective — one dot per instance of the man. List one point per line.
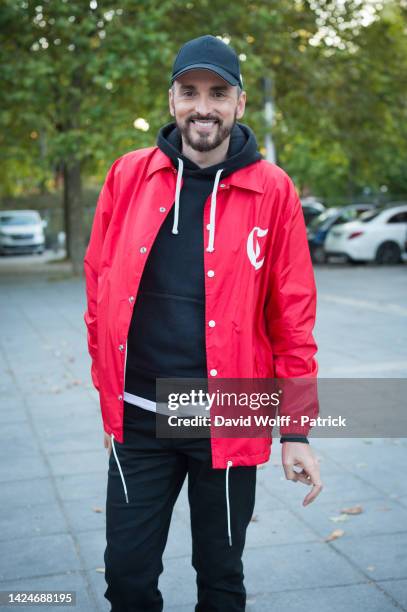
(197, 267)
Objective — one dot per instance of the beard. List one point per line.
(205, 142)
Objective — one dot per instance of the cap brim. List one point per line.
(226, 76)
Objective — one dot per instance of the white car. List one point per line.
(379, 235)
(21, 231)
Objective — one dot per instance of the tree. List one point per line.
(78, 75)
(78, 71)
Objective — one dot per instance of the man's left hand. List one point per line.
(302, 455)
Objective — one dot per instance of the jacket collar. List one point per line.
(158, 161)
(246, 178)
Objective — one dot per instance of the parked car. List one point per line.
(379, 235)
(319, 227)
(311, 209)
(21, 231)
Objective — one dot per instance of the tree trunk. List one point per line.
(73, 215)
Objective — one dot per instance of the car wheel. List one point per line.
(388, 253)
(318, 255)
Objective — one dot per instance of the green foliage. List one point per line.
(77, 74)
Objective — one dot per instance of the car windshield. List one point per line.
(349, 214)
(369, 215)
(19, 219)
(327, 215)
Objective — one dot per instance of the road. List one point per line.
(53, 464)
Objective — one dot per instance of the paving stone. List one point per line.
(397, 589)
(177, 583)
(92, 546)
(380, 556)
(80, 462)
(21, 467)
(266, 500)
(276, 527)
(379, 516)
(69, 581)
(18, 493)
(287, 565)
(82, 515)
(64, 435)
(387, 478)
(59, 406)
(82, 486)
(12, 410)
(31, 520)
(291, 566)
(351, 598)
(179, 541)
(37, 557)
(98, 582)
(402, 499)
(17, 438)
(338, 488)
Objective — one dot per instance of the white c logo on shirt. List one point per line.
(253, 252)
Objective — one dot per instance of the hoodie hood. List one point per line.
(242, 151)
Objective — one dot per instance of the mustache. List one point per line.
(200, 118)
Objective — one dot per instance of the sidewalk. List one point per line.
(53, 464)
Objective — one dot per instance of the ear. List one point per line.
(241, 105)
(171, 102)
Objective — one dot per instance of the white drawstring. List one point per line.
(228, 503)
(120, 470)
(212, 215)
(177, 192)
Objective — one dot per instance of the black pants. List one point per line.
(136, 532)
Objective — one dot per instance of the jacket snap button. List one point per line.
(121, 347)
(143, 250)
(131, 299)
(120, 397)
(213, 372)
(162, 209)
(211, 273)
(223, 185)
(211, 323)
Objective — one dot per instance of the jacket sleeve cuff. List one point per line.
(294, 438)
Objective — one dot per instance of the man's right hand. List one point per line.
(108, 443)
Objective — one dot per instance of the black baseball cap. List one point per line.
(208, 53)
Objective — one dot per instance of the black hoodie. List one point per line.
(167, 330)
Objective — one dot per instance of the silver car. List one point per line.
(21, 231)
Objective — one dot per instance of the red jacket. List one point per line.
(259, 282)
